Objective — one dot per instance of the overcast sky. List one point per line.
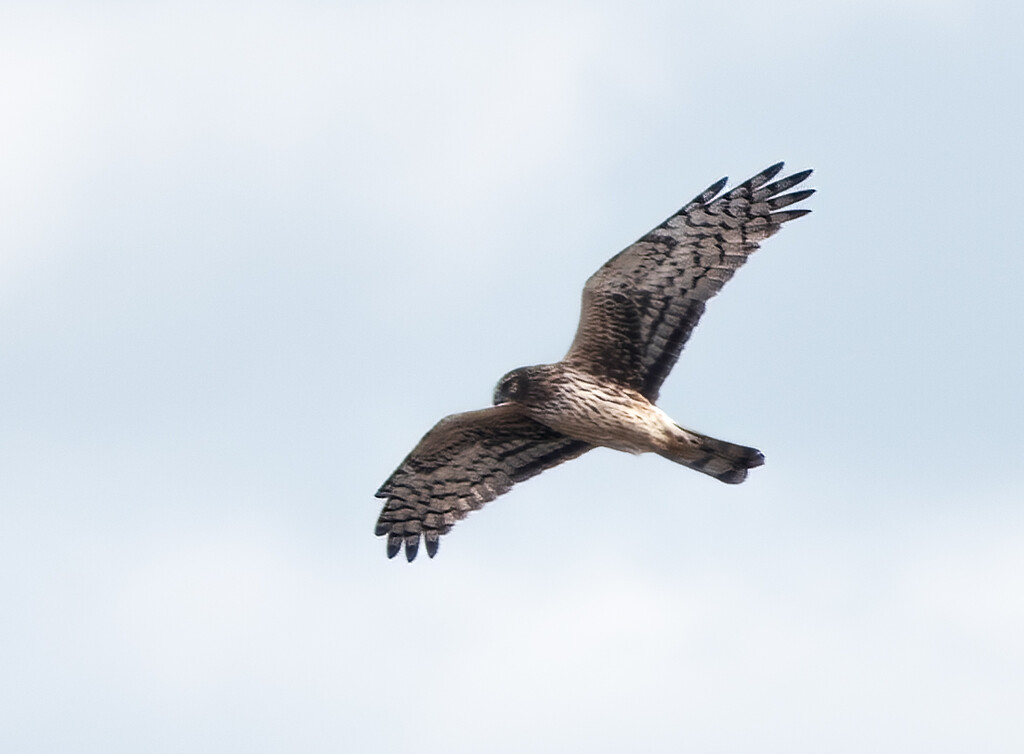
(251, 252)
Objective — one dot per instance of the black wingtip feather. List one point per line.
(432, 544)
(799, 177)
(714, 189)
(412, 546)
(706, 195)
(783, 184)
(792, 214)
(394, 545)
(785, 200)
(767, 174)
(754, 183)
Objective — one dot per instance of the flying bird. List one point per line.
(638, 311)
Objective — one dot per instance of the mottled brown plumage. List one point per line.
(638, 311)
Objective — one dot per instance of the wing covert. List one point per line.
(466, 460)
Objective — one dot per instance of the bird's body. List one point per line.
(585, 407)
(638, 311)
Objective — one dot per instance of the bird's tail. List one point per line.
(725, 461)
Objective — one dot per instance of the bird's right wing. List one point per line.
(466, 460)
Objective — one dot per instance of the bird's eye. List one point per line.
(511, 387)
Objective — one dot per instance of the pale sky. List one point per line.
(251, 252)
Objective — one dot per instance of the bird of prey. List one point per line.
(638, 311)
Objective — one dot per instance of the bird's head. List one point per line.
(514, 386)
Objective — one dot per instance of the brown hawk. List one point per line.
(638, 311)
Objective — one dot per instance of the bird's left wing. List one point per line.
(466, 460)
(641, 306)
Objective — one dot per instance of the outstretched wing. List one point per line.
(466, 460)
(641, 306)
